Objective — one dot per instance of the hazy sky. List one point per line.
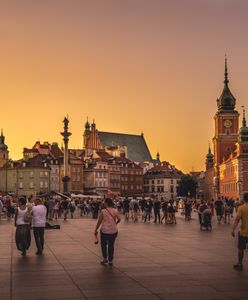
(155, 66)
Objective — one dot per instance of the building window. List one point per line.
(20, 175)
(21, 185)
(31, 185)
(41, 174)
(41, 184)
(31, 174)
(46, 184)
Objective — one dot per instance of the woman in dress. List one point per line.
(22, 223)
(108, 220)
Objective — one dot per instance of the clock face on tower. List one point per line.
(227, 123)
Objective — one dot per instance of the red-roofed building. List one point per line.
(227, 170)
(162, 180)
(26, 177)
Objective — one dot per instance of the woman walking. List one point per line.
(22, 223)
(108, 218)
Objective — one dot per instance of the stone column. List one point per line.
(66, 135)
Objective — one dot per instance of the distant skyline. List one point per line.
(152, 66)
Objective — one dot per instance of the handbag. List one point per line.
(28, 216)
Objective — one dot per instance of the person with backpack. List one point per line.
(108, 220)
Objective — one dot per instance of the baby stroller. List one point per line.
(206, 220)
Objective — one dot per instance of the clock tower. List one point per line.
(226, 125)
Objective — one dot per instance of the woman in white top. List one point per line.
(108, 218)
(22, 223)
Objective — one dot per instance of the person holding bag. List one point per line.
(22, 223)
(108, 220)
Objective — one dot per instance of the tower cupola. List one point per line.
(243, 131)
(209, 158)
(3, 146)
(87, 125)
(158, 157)
(227, 101)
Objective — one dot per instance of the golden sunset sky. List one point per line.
(155, 66)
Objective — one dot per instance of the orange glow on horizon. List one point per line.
(134, 66)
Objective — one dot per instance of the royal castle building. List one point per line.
(227, 168)
(130, 146)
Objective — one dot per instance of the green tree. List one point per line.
(187, 186)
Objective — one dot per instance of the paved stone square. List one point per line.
(152, 261)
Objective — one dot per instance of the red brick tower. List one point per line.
(226, 126)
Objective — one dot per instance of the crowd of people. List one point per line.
(35, 213)
(146, 209)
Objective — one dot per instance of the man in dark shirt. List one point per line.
(156, 208)
(219, 205)
(126, 208)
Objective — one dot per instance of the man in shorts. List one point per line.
(242, 214)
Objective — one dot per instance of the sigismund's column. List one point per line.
(66, 135)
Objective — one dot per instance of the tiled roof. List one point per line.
(137, 149)
(164, 168)
(104, 156)
(56, 151)
(26, 150)
(37, 161)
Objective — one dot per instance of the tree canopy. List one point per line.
(187, 186)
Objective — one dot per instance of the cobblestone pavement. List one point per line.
(153, 261)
